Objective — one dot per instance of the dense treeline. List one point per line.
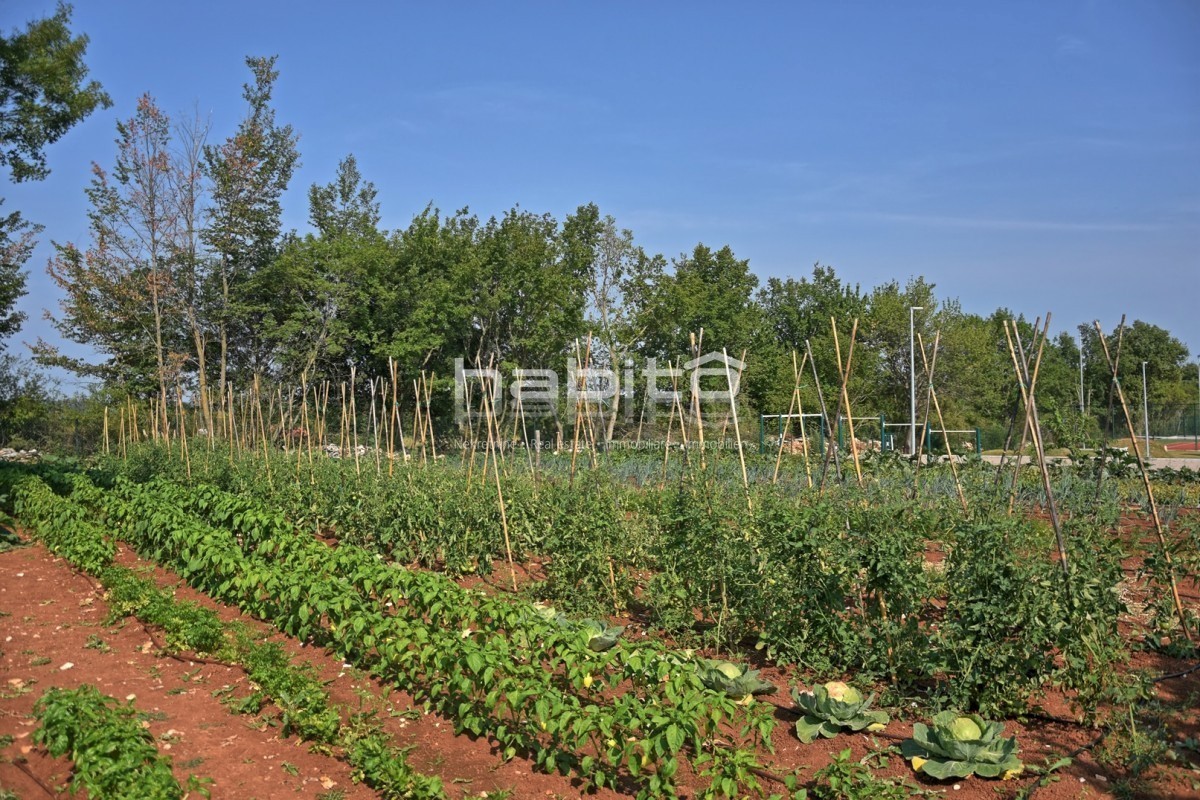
(189, 282)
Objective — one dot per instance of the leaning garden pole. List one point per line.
(1158, 526)
(1028, 383)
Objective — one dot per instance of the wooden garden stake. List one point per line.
(844, 396)
(1028, 383)
(262, 428)
(675, 404)
(1028, 387)
(837, 464)
(375, 429)
(489, 411)
(1116, 362)
(737, 431)
(1158, 526)
(697, 343)
(575, 427)
(187, 460)
(929, 367)
(786, 427)
(429, 414)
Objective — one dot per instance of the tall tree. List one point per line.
(249, 173)
(317, 295)
(191, 265)
(43, 93)
(346, 206)
(123, 286)
(621, 272)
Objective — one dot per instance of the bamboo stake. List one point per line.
(697, 343)
(1024, 353)
(844, 394)
(578, 412)
(725, 420)
(837, 463)
(354, 420)
(375, 427)
(1116, 362)
(429, 413)
(1012, 424)
(924, 425)
(262, 429)
(187, 459)
(1158, 526)
(106, 430)
(1031, 391)
(512, 570)
(418, 424)
(342, 423)
(230, 417)
(737, 431)
(398, 422)
(306, 431)
(929, 366)
(786, 427)
(1028, 382)
(670, 424)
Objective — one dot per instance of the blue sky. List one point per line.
(1029, 155)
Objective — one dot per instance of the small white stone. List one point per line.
(66, 666)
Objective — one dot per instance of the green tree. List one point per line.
(316, 296)
(709, 289)
(621, 272)
(123, 290)
(17, 239)
(43, 93)
(797, 312)
(249, 173)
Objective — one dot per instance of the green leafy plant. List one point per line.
(833, 708)
(960, 746)
(735, 680)
(843, 778)
(114, 756)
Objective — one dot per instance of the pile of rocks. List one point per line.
(333, 451)
(20, 456)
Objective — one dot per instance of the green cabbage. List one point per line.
(835, 707)
(732, 679)
(957, 746)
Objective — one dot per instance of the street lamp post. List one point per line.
(912, 381)
(1146, 409)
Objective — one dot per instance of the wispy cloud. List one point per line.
(506, 101)
(1068, 46)
(1011, 223)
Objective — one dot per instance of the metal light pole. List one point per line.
(912, 381)
(1146, 409)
